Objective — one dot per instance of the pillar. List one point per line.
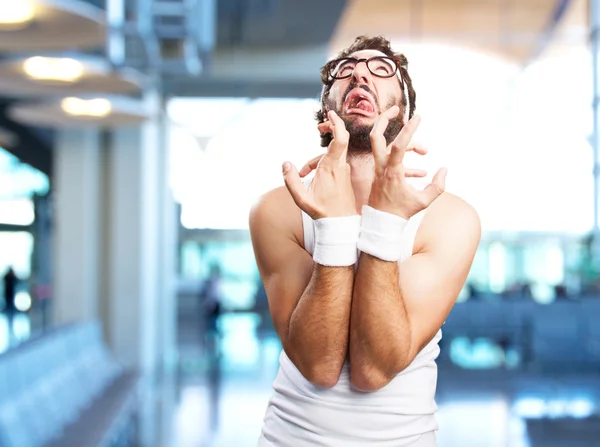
(115, 238)
(76, 236)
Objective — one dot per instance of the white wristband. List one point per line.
(335, 241)
(381, 234)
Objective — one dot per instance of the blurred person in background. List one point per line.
(10, 290)
(211, 296)
(360, 268)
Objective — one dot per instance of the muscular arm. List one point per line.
(317, 337)
(309, 303)
(397, 310)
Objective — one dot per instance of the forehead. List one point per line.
(367, 53)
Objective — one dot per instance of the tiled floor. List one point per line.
(468, 417)
(204, 406)
(482, 408)
(486, 420)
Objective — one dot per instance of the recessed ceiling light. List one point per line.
(98, 107)
(15, 14)
(53, 69)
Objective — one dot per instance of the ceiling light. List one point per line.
(14, 14)
(53, 69)
(98, 107)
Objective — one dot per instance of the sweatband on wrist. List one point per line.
(381, 234)
(335, 241)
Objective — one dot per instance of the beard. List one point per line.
(359, 134)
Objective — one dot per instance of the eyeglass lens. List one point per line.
(378, 66)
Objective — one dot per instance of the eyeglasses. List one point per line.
(380, 66)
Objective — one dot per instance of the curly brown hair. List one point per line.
(378, 43)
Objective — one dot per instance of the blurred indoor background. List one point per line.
(135, 135)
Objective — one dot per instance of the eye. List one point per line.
(382, 66)
(345, 68)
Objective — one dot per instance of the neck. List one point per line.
(361, 175)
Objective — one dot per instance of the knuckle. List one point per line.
(325, 167)
(393, 174)
(397, 147)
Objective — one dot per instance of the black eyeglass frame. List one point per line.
(336, 62)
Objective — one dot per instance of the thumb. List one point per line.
(437, 186)
(310, 166)
(296, 188)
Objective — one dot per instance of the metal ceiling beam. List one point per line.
(251, 23)
(257, 72)
(241, 89)
(12, 228)
(560, 8)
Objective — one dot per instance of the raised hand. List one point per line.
(390, 191)
(330, 193)
(310, 165)
(417, 148)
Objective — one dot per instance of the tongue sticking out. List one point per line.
(364, 105)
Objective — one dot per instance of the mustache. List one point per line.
(365, 87)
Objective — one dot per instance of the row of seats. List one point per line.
(564, 334)
(65, 389)
(562, 432)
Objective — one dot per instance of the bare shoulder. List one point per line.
(271, 201)
(450, 206)
(275, 210)
(449, 217)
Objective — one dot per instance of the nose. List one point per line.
(361, 74)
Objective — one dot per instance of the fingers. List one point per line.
(417, 148)
(339, 145)
(296, 188)
(407, 132)
(414, 173)
(401, 142)
(325, 127)
(436, 187)
(310, 166)
(439, 179)
(378, 143)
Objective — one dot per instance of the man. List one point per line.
(360, 268)
(10, 288)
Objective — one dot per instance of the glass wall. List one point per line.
(235, 259)
(516, 147)
(20, 184)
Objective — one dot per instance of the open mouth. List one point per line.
(359, 102)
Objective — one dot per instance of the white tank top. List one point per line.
(300, 414)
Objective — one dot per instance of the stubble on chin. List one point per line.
(360, 134)
(359, 142)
